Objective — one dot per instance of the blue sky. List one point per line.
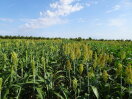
(108, 19)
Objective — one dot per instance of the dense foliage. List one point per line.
(65, 69)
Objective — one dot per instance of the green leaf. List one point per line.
(59, 77)
(5, 94)
(65, 92)
(95, 91)
(39, 90)
(57, 94)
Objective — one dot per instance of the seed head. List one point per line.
(68, 65)
(33, 66)
(87, 53)
(102, 61)
(128, 73)
(91, 74)
(72, 55)
(122, 55)
(77, 52)
(74, 82)
(14, 58)
(107, 57)
(119, 69)
(110, 58)
(66, 48)
(105, 76)
(81, 69)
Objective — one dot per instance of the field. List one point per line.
(65, 69)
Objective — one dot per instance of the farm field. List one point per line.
(65, 69)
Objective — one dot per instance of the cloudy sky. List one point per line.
(108, 19)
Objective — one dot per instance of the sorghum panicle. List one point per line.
(81, 69)
(128, 73)
(105, 76)
(75, 84)
(68, 65)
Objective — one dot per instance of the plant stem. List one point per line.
(75, 94)
(21, 70)
(69, 77)
(80, 82)
(121, 85)
(0, 94)
(88, 81)
(130, 90)
(74, 67)
(18, 93)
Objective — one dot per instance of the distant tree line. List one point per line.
(56, 38)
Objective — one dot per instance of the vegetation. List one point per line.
(65, 69)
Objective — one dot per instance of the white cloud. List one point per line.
(44, 22)
(91, 2)
(114, 8)
(128, 3)
(117, 22)
(88, 4)
(121, 5)
(6, 20)
(99, 24)
(120, 26)
(60, 9)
